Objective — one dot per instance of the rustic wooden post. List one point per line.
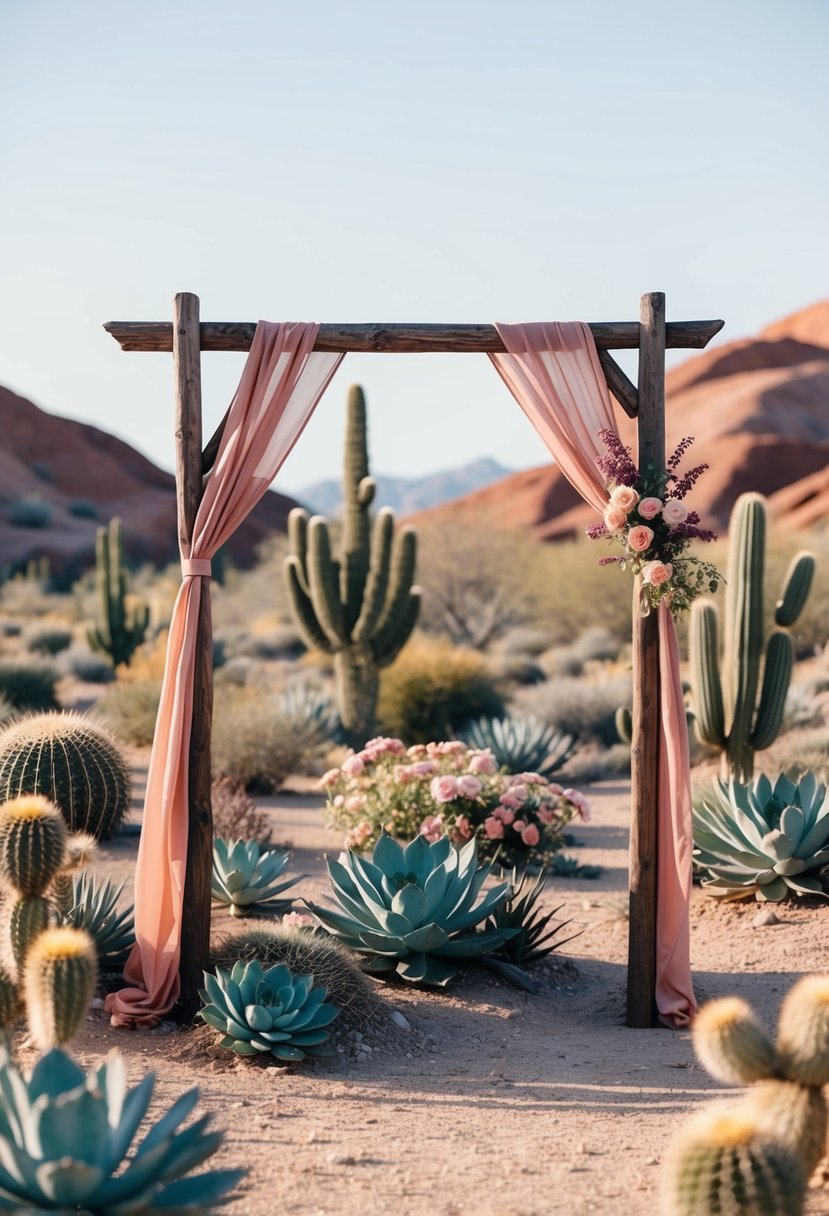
(641, 979)
(195, 930)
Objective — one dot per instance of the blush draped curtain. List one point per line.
(282, 382)
(553, 372)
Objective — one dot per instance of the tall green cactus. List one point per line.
(121, 624)
(363, 607)
(728, 715)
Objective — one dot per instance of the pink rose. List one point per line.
(531, 835)
(463, 827)
(639, 538)
(504, 814)
(484, 763)
(520, 825)
(674, 512)
(545, 816)
(657, 573)
(353, 766)
(624, 497)
(355, 803)
(553, 788)
(579, 802)
(493, 828)
(649, 508)
(403, 773)
(339, 800)
(469, 787)
(432, 828)
(424, 768)
(518, 792)
(417, 750)
(444, 789)
(510, 801)
(329, 778)
(614, 518)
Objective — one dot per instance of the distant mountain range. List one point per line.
(408, 495)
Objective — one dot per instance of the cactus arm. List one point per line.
(298, 541)
(796, 587)
(359, 493)
(378, 576)
(309, 627)
(705, 668)
(744, 616)
(776, 677)
(390, 641)
(123, 619)
(322, 581)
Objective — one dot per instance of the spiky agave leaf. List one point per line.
(762, 839)
(536, 935)
(67, 1135)
(267, 1011)
(520, 743)
(245, 878)
(95, 909)
(413, 910)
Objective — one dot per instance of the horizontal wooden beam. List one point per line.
(400, 339)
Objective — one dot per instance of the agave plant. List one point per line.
(267, 1011)
(520, 744)
(311, 714)
(94, 908)
(245, 878)
(763, 839)
(535, 936)
(65, 1136)
(411, 909)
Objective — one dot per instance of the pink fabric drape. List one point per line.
(282, 381)
(553, 372)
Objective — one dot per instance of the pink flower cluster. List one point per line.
(647, 517)
(447, 788)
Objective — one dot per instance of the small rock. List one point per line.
(513, 1013)
(96, 1003)
(766, 916)
(651, 1161)
(398, 1019)
(340, 1159)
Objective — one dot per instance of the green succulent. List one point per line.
(267, 1011)
(244, 877)
(65, 1135)
(535, 936)
(410, 910)
(520, 744)
(763, 839)
(94, 908)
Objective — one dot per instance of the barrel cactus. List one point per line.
(58, 984)
(762, 839)
(71, 761)
(32, 852)
(245, 878)
(267, 1012)
(122, 619)
(726, 707)
(360, 608)
(412, 910)
(66, 1134)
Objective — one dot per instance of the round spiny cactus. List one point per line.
(71, 761)
(28, 919)
(803, 1032)
(721, 1164)
(58, 983)
(32, 844)
(794, 1115)
(731, 1044)
(9, 1000)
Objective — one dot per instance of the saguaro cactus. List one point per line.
(363, 607)
(727, 713)
(122, 620)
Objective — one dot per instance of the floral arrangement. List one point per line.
(438, 789)
(647, 516)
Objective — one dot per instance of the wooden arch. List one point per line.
(186, 337)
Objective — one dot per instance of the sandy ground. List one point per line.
(494, 1101)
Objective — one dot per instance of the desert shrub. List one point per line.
(235, 814)
(130, 710)
(82, 508)
(594, 763)
(28, 685)
(237, 671)
(30, 513)
(147, 663)
(79, 661)
(303, 951)
(594, 644)
(252, 743)
(48, 640)
(585, 709)
(525, 640)
(516, 669)
(433, 689)
(280, 642)
(802, 708)
(312, 716)
(10, 629)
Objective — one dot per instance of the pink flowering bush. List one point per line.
(437, 789)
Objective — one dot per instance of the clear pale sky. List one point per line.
(371, 161)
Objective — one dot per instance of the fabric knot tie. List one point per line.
(196, 567)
